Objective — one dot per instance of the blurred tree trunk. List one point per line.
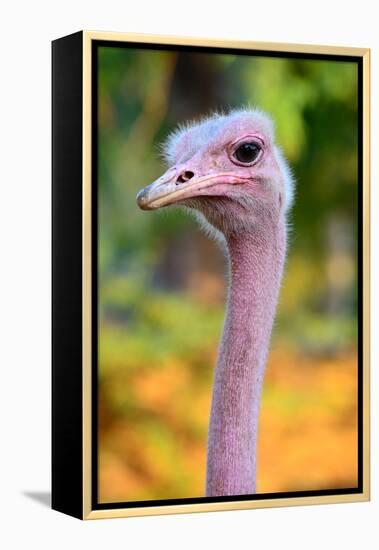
(189, 261)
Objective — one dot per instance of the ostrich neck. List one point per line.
(256, 265)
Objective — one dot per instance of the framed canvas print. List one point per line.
(210, 275)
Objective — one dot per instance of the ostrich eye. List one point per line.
(247, 152)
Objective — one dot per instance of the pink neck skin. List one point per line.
(256, 266)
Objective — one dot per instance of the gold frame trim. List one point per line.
(364, 53)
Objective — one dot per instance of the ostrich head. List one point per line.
(228, 169)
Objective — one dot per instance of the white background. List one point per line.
(26, 31)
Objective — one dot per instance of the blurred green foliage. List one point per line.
(161, 283)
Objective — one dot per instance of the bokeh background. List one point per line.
(162, 289)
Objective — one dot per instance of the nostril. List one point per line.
(185, 176)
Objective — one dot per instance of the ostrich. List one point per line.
(228, 170)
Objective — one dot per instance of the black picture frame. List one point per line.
(74, 302)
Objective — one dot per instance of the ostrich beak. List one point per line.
(177, 185)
